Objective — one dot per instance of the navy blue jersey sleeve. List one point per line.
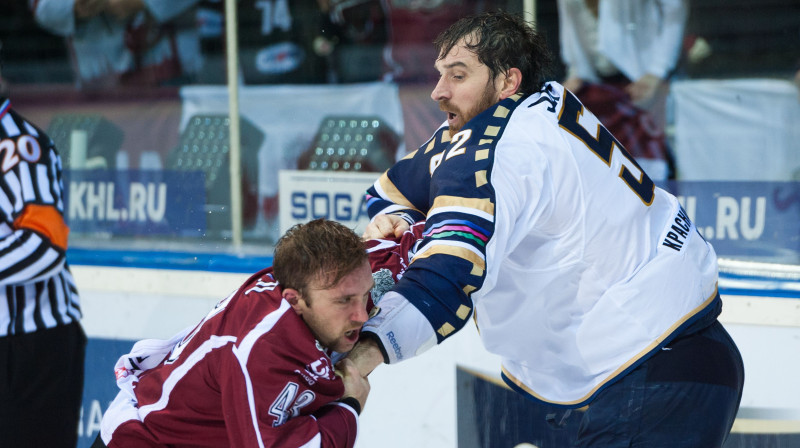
(450, 262)
(404, 189)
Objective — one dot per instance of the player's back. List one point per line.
(198, 395)
(582, 196)
(584, 246)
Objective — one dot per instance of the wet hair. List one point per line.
(321, 250)
(501, 41)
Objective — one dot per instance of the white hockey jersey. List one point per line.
(575, 266)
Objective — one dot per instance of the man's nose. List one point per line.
(441, 91)
(360, 314)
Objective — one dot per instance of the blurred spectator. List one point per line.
(625, 51)
(31, 55)
(125, 42)
(413, 26)
(363, 36)
(634, 44)
(309, 41)
(211, 29)
(285, 41)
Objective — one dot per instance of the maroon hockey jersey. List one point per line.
(389, 259)
(250, 374)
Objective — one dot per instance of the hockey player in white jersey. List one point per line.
(590, 282)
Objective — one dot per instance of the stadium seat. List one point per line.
(103, 139)
(351, 143)
(204, 146)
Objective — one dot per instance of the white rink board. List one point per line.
(413, 403)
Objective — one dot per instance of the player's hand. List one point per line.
(355, 385)
(384, 226)
(643, 90)
(365, 356)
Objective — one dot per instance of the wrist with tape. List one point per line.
(352, 402)
(400, 329)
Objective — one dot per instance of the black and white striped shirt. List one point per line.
(37, 290)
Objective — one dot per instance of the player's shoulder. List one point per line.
(490, 125)
(435, 144)
(535, 121)
(547, 101)
(263, 281)
(258, 296)
(258, 312)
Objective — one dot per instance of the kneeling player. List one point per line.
(258, 370)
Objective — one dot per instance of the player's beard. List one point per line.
(487, 100)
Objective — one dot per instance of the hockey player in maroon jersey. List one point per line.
(254, 373)
(257, 371)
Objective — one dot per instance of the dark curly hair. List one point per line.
(321, 250)
(501, 41)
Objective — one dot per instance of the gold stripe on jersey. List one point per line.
(468, 289)
(501, 112)
(463, 312)
(410, 155)
(446, 329)
(481, 204)
(485, 141)
(492, 131)
(481, 154)
(431, 145)
(393, 194)
(623, 367)
(480, 178)
(515, 97)
(478, 265)
(446, 136)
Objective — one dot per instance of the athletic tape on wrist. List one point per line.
(353, 403)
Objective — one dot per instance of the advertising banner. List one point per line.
(100, 386)
(756, 220)
(135, 202)
(339, 196)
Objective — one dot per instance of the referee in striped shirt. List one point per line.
(42, 344)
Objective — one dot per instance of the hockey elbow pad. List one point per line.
(402, 330)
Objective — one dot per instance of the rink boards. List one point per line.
(419, 402)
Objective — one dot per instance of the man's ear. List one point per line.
(510, 82)
(293, 297)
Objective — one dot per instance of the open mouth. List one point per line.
(352, 335)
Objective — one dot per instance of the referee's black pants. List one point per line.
(41, 386)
